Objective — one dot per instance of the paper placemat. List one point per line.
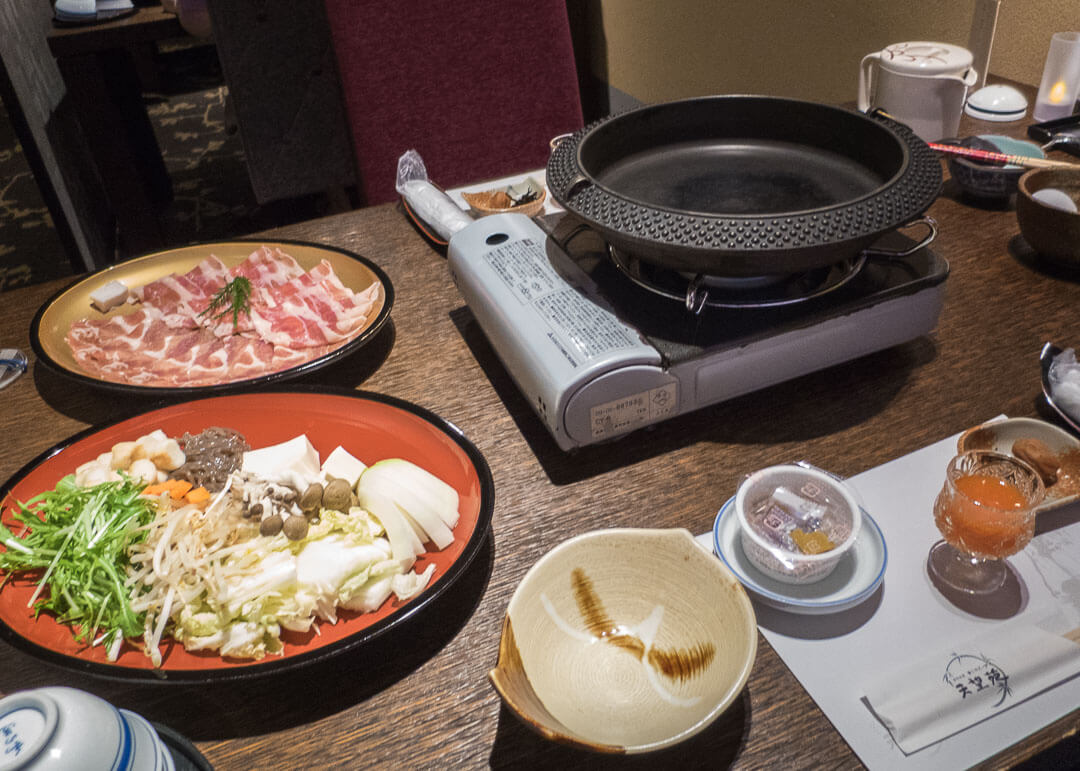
(838, 657)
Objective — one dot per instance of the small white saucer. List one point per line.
(855, 578)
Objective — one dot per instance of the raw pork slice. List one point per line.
(295, 317)
(182, 298)
(313, 309)
(268, 266)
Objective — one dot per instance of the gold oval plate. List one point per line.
(52, 321)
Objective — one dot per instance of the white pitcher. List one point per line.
(921, 84)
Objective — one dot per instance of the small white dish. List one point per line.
(856, 577)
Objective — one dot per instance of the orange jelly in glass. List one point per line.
(984, 515)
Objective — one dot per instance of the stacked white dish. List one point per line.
(63, 728)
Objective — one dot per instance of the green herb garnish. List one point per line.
(79, 537)
(234, 298)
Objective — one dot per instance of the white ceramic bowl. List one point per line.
(59, 728)
(794, 567)
(625, 641)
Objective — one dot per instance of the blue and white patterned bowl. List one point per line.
(986, 180)
(65, 728)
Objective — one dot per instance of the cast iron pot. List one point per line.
(744, 185)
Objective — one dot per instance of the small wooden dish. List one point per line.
(999, 436)
(625, 641)
(501, 200)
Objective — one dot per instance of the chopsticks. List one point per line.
(1016, 160)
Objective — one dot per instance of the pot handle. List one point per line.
(558, 140)
(579, 180)
(863, 101)
(931, 233)
(578, 183)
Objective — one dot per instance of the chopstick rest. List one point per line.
(973, 681)
(12, 364)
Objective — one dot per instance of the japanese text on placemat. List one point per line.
(969, 674)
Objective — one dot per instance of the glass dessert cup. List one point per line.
(986, 512)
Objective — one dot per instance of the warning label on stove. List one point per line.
(632, 411)
(579, 327)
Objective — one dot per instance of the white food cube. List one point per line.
(294, 463)
(341, 464)
(107, 297)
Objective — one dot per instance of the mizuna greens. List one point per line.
(79, 538)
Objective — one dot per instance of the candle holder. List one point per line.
(1061, 78)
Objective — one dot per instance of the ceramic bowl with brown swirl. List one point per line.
(625, 641)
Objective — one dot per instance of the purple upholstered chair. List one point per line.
(477, 87)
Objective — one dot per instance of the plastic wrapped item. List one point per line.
(434, 207)
(796, 521)
(1064, 379)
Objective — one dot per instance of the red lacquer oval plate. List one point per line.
(370, 426)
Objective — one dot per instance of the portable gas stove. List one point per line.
(602, 345)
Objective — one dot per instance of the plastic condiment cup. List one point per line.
(814, 485)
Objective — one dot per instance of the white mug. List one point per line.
(921, 84)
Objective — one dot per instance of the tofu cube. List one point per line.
(107, 297)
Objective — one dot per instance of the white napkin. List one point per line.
(431, 204)
(970, 682)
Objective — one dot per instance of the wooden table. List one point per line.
(420, 697)
(99, 70)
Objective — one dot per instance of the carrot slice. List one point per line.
(198, 495)
(178, 488)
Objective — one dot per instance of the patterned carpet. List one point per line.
(29, 248)
(204, 157)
